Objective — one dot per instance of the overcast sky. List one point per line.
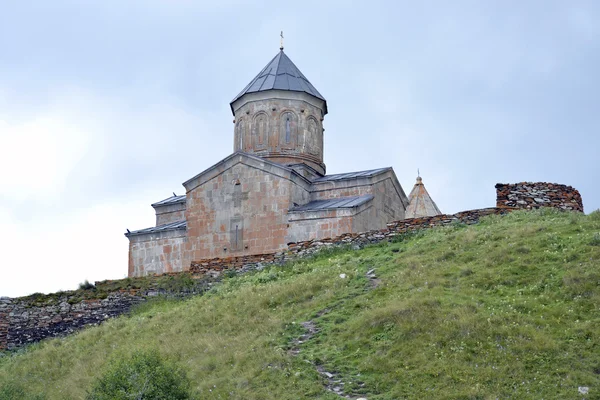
(108, 106)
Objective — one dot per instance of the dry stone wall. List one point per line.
(530, 195)
(30, 319)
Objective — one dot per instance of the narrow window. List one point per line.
(288, 133)
(261, 129)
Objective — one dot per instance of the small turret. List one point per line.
(420, 204)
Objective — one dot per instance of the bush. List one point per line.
(86, 285)
(145, 375)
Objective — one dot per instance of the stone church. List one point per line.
(273, 190)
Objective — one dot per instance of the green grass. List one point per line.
(508, 308)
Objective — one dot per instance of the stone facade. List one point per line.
(169, 213)
(157, 253)
(240, 206)
(282, 127)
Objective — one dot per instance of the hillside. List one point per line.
(508, 308)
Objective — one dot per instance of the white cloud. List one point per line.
(62, 251)
(53, 161)
(38, 154)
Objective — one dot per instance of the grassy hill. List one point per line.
(508, 308)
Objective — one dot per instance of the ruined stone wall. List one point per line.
(530, 195)
(157, 253)
(5, 308)
(33, 318)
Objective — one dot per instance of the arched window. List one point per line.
(259, 130)
(289, 129)
(314, 141)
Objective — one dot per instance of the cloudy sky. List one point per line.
(108, 106)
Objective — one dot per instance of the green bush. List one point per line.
(86, 285)
(145, 375)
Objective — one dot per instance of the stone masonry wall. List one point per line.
(157, 253)
(530, 195)
(260, 128)
(30, 319)
(241, 210)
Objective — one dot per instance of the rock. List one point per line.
(583, 389)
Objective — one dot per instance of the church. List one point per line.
(273, 190)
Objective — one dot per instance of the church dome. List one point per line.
(279, 116)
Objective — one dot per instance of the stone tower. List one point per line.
(279, 117)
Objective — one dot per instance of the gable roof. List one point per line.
(420, 203)
(280, 74)
(250, 160)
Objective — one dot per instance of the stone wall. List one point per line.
(5, 304)
(30, 319)
(530, 195)
(240, 207)
(319, 224)
(261, 127)
(157, 253)
(170, 213)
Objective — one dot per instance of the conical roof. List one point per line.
(280, 74)
(420, 203)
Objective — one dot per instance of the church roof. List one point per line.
(351, 175)
(329, 204)
(420, 204)
(280, 74)
(171, 200)
(173, 226)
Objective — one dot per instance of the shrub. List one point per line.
(86, 285)
(144, 375)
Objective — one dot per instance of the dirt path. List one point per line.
(334, 382)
